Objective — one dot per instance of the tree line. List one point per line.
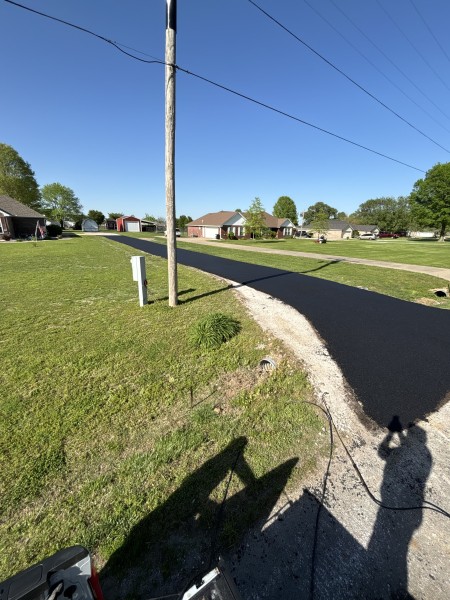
(427, 206)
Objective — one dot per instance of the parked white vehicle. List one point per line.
(368, 236)
(177, 232)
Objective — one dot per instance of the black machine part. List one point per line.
(71, 567)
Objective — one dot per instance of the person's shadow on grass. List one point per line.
(182, 537)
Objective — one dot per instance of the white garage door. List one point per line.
(132, 226)
(211, 232)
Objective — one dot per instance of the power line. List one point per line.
(223, 87)
(432, 69)
(381, 51)
(100, 37)
(373, 65)
(430, 30)
(285, 114)
(346, 76)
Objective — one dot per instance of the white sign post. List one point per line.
(138, 267)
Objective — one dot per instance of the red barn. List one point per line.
(129, 224)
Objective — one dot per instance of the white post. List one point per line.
(138, 268)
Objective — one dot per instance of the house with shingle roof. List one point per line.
(17, 219)
(343, 230)
(222, 224)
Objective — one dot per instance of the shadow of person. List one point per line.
(408, 465)
(181, 537)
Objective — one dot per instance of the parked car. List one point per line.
(177, 232)
(304, 234)
(367, 236)
(387, 234)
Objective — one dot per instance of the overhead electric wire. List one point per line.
(381, 51)
(373, 65)
(285, 114)
(223, 87)
(430, 31)
(100, 37)
(346, 76)
(432, 69)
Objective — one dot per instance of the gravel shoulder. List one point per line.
(362, 550)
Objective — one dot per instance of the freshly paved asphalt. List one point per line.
(394, 354)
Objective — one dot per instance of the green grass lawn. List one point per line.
(413, 287)
(428, 253)
(115, 431)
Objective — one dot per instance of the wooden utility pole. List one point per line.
(171, 31)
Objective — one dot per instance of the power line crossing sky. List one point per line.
(85, 115)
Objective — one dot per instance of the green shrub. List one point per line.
(54, 230)
(213, 330)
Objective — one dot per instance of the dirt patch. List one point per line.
(427, 301)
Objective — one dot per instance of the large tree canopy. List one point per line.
(319, 209)
(430, 198)
(60, 203)
(182, 221)
(387, 213)
(285, 208)
(17, 178)
(97, 216)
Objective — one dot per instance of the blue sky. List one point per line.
(85, 115)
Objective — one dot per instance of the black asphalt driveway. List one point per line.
(394, 354)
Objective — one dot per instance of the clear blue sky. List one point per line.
(83, 114)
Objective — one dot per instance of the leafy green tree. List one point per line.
(255, 222)
(182, 221)
(320, 224)
(430, 198)
(17, 178)
(342, 216)
(116, 215)
(97, 216)
(387, 213)
(285, 208)
(319, 209)
(60, 203)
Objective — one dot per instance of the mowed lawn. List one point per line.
(401, 250)
(110, 415)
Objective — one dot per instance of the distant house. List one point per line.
(18, 220)
(220, 225)
(281, 227)
(217, 225)
(343, 230)
(131, 223)
(89, 225)
(366, 229)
